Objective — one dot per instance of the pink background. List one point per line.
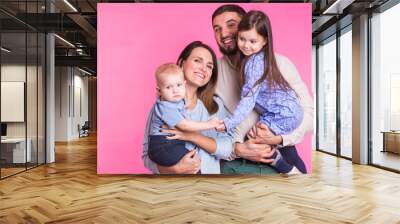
(133, 39)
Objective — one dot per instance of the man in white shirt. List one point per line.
(252, 156)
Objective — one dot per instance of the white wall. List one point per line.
(61, 103)
(17, 73)
(33, 127)
(79, 117)
(71, 93)
(14, 73)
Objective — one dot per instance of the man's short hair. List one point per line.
(228, 8)
(167, 68)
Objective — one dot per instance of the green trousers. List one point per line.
(244, 166)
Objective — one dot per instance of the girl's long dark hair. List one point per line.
(262, 24)
(206, 92)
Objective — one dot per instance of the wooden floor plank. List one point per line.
(70, 191)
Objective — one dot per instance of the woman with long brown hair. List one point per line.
(199, 65)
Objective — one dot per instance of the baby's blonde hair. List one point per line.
(167, 69)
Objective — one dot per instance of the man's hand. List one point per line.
(260, 129)
(262, 134)
(189, 164)
(255, 151)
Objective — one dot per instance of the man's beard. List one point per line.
(230, 51)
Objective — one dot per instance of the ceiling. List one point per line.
(76, 22)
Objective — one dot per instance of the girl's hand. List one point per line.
(214, 122)
(221, 127)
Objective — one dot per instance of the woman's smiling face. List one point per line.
(198, 67)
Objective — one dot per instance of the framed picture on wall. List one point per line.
(181, 92)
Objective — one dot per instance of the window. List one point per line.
(327, 96)
(346, 75)
(385, 88)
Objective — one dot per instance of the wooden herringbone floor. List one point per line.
(70, 191)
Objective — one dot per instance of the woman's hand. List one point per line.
(198, 139)
(262, 134)
(177, 134)
(189, 164)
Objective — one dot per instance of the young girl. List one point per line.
(264, 88)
